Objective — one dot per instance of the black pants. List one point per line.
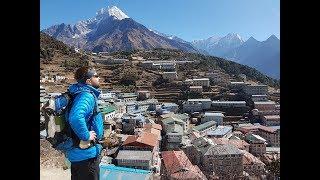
(86, 170)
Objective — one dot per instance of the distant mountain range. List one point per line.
(264, 56)
(57, 57)
(112, 30)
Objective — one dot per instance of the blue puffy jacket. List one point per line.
(82, 120)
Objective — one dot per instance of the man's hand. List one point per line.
(93, 136)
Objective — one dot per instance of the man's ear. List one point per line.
(88, 81)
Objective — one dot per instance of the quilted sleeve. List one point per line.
(82, 107)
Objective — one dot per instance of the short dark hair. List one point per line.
(81, 73)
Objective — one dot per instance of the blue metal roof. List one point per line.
(220, 130)
(115, 172)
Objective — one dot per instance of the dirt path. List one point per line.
(54, 174)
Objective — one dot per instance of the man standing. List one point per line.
(87, 126)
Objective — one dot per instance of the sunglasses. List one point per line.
(96, 76)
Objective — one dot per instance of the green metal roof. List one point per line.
(170, 120)
(108, 109)
(203, 126)
(181, 116)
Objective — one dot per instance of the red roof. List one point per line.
(155, 126)
(220, 140)
(249, 159)
(144, 138)
(240, 144)
(154, 131)
(178, 165)
(246, 129)
(267, 129)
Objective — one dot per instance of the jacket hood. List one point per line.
(74, 88)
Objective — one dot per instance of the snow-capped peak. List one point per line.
(234, 36)
(112, 11)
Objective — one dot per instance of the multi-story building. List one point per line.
(171, 120)
(265, 106)
(105, 96)
(257, 144)
(198, 82)
(202, 129)
(176, 165)
(246, 128)
(228, 104)
(271, 134)
(259, 89)
(201, 82)
(159, 65)
(171, 107)
(198, 89)
(109, 61)
(218, 77)
(131, 121)
(170, 75)
(174, 133)
(141, 106)
(168, 66)
(257, 98)
(196, 149)
(134, 159)
(217, 117)
(172, 116)
(223, 160)
(194, 105)
(240, 144)
(144, 141)
(271, 120)
(108, 112)
(220, 132)
(128, 97)
(252, 165)
(237, 85)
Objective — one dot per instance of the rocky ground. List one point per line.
(52, 163)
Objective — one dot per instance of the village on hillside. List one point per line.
(163, 120)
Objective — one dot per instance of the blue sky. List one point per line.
(187, 19)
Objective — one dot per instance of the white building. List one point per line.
(217, 117)
(193, 105)
(128, 97)
(260, 89)
(201, 82)
(198, 89)
(256, 98)
(170, 75)
(168, 66)
(239, 85)
(105, 95)
(228, 104)
(198, 82)
(218, 77)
